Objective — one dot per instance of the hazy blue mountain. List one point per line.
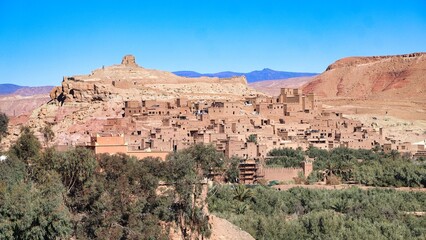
(255, 76)
(7, 88)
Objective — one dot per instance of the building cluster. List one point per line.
(246, 129)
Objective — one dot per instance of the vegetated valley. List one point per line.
(49, 194)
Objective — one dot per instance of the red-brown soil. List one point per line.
(385, 77)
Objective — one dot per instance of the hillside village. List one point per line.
(247, 128)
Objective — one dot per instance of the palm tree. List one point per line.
(252, 138)
(394, 154)
(340, 206)
(241, 193)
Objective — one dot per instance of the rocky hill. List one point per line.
(82, 103)
(378, 77)
(388, 87)
(129, 81)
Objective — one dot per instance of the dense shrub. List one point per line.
(323, 214)
(368, 167)
(285, 157)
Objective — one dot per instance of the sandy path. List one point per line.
(224, 230)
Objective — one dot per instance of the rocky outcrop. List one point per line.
(127, 80)
(378, 77)
(129, 60)
(55, 92)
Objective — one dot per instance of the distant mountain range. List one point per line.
(23, 90)
(8, 88)
(255, 76)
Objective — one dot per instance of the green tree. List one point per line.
(252, 138)
(232, 172)
(323, 214)
(12, 170)
(27, 147)
(34, 212)
(260, 229)
(4, 121)
(206, 158)
(394, 154)
(187, 170)
(123, 203)
(76, 167)
(285, 157)
(242, 193)
(48, 134)
(323, 225)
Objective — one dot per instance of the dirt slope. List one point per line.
(380, 77)
(15, 105)
(222, 229)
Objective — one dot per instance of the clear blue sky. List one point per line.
(41, 41)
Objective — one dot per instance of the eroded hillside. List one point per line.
(378, 77)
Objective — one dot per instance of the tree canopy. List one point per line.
(4, 121)
(27, 147)
(285, 157)
(321, 214)
(57, 195)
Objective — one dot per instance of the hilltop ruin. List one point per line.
(128, 80)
